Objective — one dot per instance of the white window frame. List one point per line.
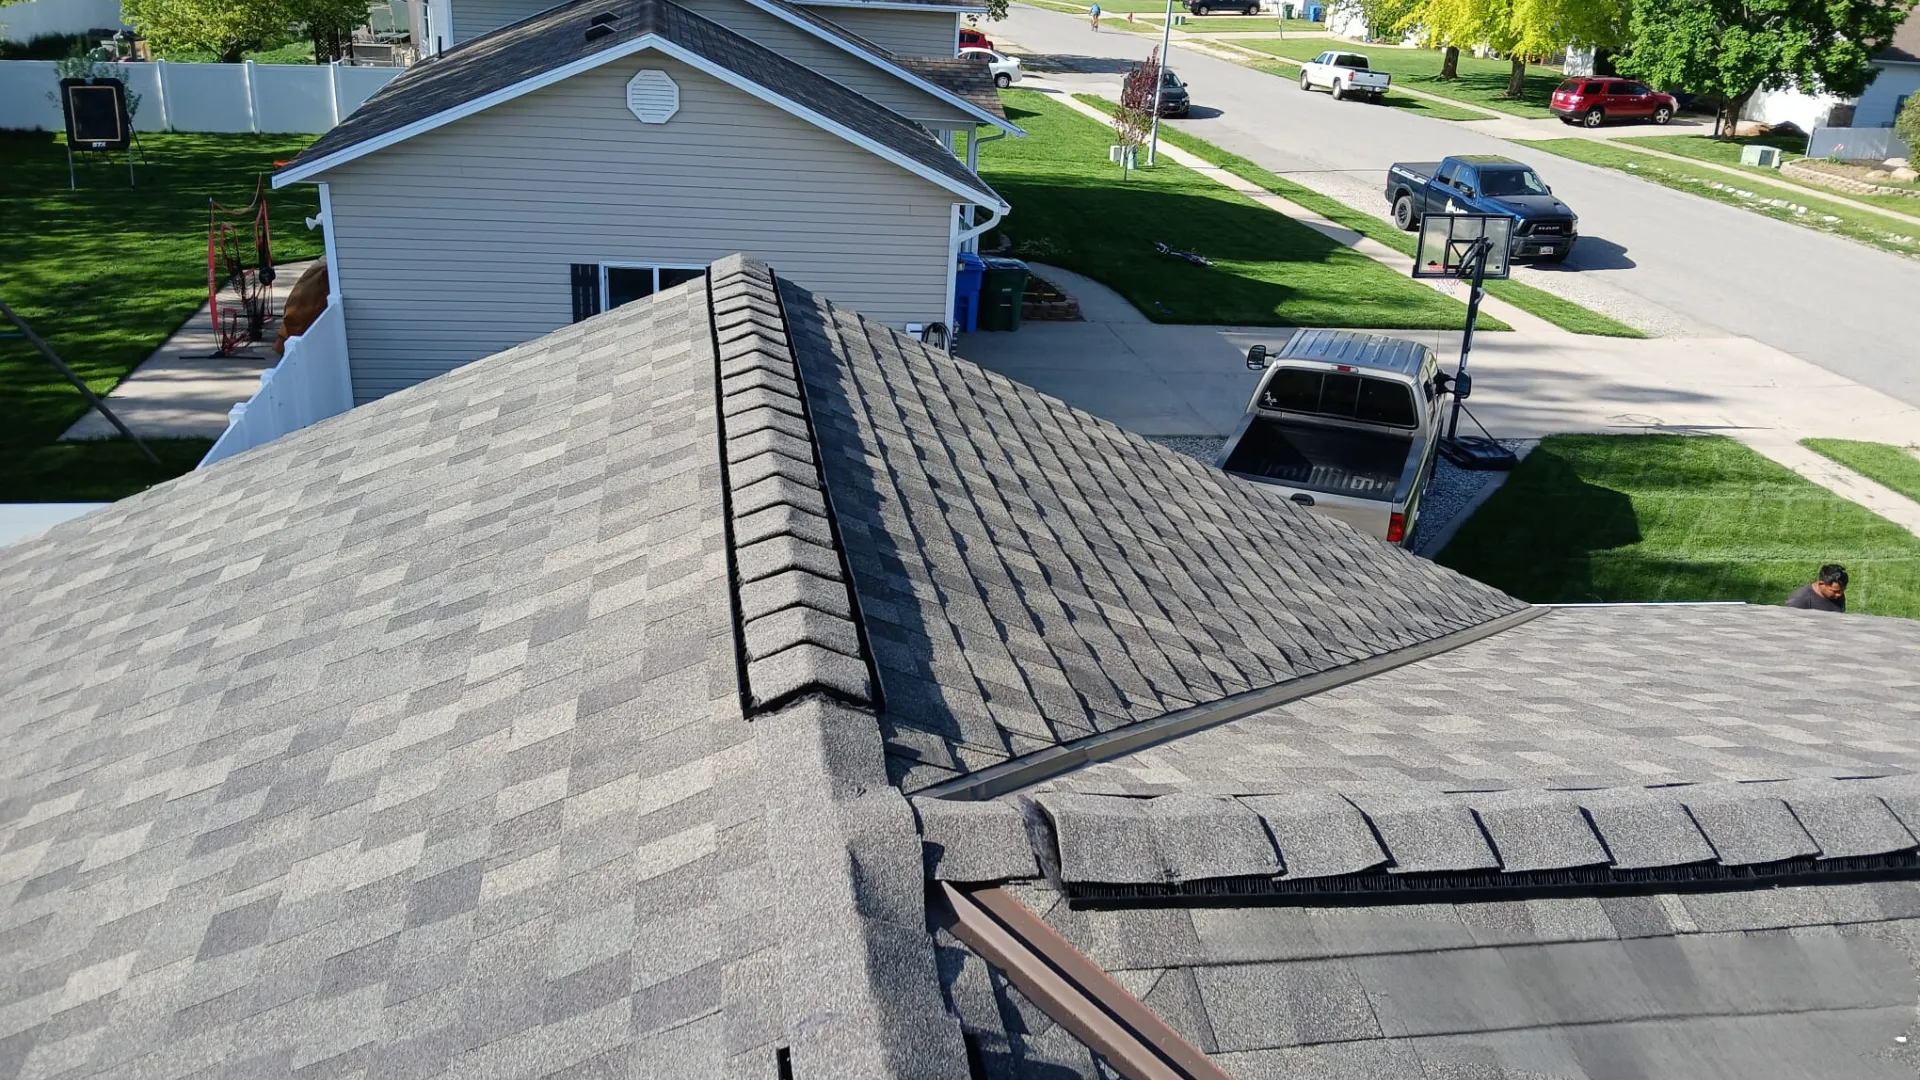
(656, 267)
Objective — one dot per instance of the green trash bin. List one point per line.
(1003, 289)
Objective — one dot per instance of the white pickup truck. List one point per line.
(1346, 74)
(1344, 423)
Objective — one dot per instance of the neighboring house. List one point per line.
(729, 685)
(599, 151)
(1898, 78)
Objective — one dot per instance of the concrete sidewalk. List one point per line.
(1165, 380)
(183, 391)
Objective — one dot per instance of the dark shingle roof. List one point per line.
(1581, 697)
(964, 78)
(1814, 981)
(1030, 575)
(525, 721)
(534, 46)
(1904, 47)
(412, 744)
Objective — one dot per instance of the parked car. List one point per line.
(1005, 69)
(973, 39)
(1208, 7)
(1174, 99)
(1543, 226)
(1595, 101)
(1346, 424)
(1346, 74)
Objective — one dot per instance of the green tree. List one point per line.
(1908, 123)
(1381, 17)
(1447, 24)
(1737, 48)
(330, 23)
(226, 28)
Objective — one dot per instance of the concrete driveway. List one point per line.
(1702, 269)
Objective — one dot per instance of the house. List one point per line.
(730, 685)
(596, 152)
(1898, 77)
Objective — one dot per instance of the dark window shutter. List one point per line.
(586, 290)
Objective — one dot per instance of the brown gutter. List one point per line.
(1070, 988)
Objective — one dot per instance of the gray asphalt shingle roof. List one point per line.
(412, 744)
(556, 37)
(557, 716)
(1030, 575)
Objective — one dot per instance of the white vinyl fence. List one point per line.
(289, 98)
(310, 383)
(1856, 144)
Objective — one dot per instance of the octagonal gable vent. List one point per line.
(653, 97)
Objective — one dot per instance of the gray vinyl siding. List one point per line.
(472, 18)
(835, 63)
(908, 33)
(457, 243)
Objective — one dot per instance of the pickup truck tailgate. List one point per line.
(1360, 464)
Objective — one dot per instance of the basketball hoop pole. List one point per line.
(1477, 262)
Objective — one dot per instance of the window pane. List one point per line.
(1341, 396)
(1590, 88)
(1383, 402)
(626, 284)
(1294, 389)
(669, 278)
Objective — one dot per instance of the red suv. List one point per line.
(973, 39)
(1595, 101)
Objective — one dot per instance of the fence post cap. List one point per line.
(237, 413)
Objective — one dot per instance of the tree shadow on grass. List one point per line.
(1539, 536)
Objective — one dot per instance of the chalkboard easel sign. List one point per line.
(97, 119)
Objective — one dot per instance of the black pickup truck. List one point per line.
(1544, 227)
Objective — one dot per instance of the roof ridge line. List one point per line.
(1030, 769)
(796, 616)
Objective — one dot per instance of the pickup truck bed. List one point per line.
(1360, 464)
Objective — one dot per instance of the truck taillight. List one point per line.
(1396, 528)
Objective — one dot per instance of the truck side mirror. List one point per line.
(1463, 386)
(1257, 358)
(1467, 190)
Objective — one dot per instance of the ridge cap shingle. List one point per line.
(796, 617)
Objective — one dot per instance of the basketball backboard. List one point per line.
(1446, 240)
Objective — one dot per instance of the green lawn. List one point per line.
(1894, 466)
(1727, 152)
(1074, 209)
(1481, 82)
(1562, 313)
(105, 273)
(291, 52)
(1674, 517)
(1866, 227)
(1112, 18)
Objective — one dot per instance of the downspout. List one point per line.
(973, 166)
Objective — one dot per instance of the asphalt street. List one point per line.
(1707, 269)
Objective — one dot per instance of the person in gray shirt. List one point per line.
(1827, 594)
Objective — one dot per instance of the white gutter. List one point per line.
(994, 217)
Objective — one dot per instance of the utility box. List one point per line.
(1766, 157)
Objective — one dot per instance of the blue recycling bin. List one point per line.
(1316, 12)
(966, 292)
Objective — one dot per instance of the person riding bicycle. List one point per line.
(1094, 11)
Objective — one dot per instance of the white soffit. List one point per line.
(653, 96)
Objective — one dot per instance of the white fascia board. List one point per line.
(606, 56)
(900, 73)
